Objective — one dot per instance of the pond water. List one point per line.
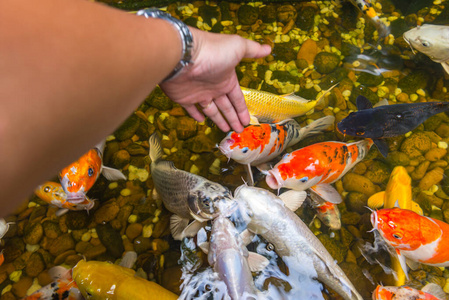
(315, 45)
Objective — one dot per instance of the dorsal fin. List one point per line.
(363, 103)
(435, 290)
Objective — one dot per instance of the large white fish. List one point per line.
(230, 258)
(432, 40)
(279, 225)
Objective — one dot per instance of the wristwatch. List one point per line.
(184, 32)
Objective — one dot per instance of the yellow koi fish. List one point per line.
(271, 108)
(104, 280)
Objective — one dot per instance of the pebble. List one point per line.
(432, 177)
(133, 231)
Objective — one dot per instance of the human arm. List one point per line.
(71, 71)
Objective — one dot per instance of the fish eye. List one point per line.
(206, 201)
(304, 179)
(360, 132)
(425, 44)
(397, 236)
(399, 116)
(270, 247)
(47, 189)
(90, 172)
(244, 150)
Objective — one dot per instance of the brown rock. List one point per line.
(431, 178)
(420, 170)
(61, 244)
(95, 251)
(33, 233)
(308, 51)
(356, 183)
(435, 154)
(61, 257)
(107, 212)
(133, 231)
(20, 288)
(35, 265)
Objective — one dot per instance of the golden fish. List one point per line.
(271, 108)
(103, 280)
(397, 193)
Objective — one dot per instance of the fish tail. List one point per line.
(155, 147)
(315, 127)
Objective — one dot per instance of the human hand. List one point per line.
(211, 81)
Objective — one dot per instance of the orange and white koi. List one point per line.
(317, 166)
(63, 288)
(419, 238)
(326, 211)
(271, 108)
(430, 291)
(78, 177)
(258, 144)
(53, 193)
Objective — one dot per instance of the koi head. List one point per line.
(78, 177)
(402, 229)
(245, 147)
(384, 293)
(51, 191)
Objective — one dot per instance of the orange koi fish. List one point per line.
(63, 288)
(419, 238)
(78, 177)
(53, 193)
(317, 166)
(261, 143)
(327, 212)
(2, 257)
(431, 291)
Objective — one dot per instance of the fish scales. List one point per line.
(268, 107)
(292, 238)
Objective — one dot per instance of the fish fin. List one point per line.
(402, 262)
(100, 146)
(257, 262)
(253, 120)
(326, 92)
(247, 236)
(192, 229)
(264, 167)
(204, 247)
(363, 103)
(377, 200)
(315, 127)
(435, 290)
(201, 236)
(177, 226)
(293, 199)
(155, 147)
(396, 204)
(112, 174)
(327, 192)
(413, 265)
(381, 146)
(294, 97)
(61, 212)
(445, 66)
(250, 174)
(417, 208)
(129, 259)
(381, 103)
(59, 272)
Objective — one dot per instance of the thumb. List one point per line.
(255, 50)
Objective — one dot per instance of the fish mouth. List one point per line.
(407, 40)
(225, 152)
(273, 180)
(75, 198)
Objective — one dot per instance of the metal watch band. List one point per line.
(184, 32)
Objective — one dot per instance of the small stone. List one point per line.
(128, 128)
(76, 220)
(106, 212)
(20, 288)
(61, 244)
(308, 51)
(326, 62)
(356, 183)
(133, 231)
(94, 251)
(121, 158)
(33, 233)
(416, 144)
(35, 265)
(397, 158)
(51, 229)
(247, 14)
(111, 239)
(357, 202)
(420, 170)
(431, 178)
(141, 245)
(435, 154)
(187, 128)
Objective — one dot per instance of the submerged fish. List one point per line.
(53, 193)
(187, 195)
(432, 40)
(317, 166)
(327, 212)
(78, 177)
(418, 238)
(276, 222)
(430, 291)
(63, 288)
(4, 227)
(258, 144)
(231, 260)
(367, 9)
(397, 193)
(98, 280)
(271, 108)
(387, 121)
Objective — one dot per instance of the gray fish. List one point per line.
(230, 258)
(279, 225)
(187, 195)
(432, 40)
